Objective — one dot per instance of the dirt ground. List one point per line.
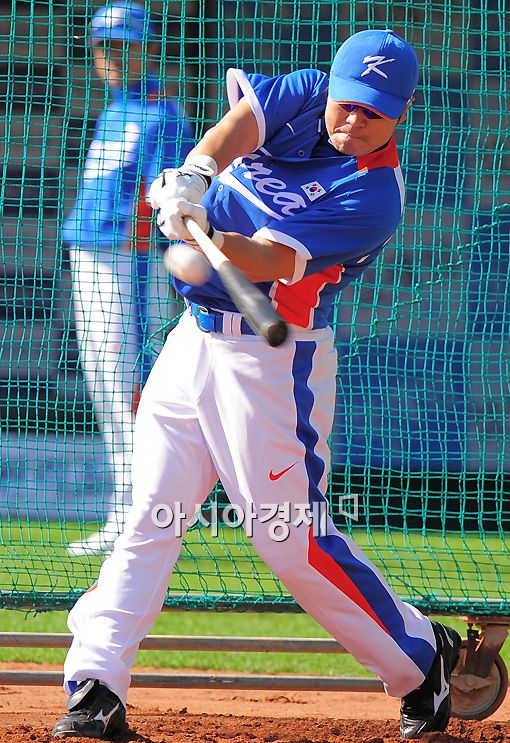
(27, 714)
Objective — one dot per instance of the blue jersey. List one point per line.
(141, 132)
(335, 211)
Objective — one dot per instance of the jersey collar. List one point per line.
(385, 156)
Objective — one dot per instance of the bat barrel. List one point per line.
(249, 300)
(255, 306)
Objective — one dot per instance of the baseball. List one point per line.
(187, 264)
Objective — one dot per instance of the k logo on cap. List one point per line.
(373, 65)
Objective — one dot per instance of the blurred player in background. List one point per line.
(119, 299)
(300, 186)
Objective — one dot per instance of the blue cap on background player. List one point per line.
(124, 21)
(377, 69)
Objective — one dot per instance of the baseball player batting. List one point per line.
(118, 297)
(300, 187)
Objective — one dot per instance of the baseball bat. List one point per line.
(251, 303)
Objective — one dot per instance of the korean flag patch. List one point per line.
(313, 190)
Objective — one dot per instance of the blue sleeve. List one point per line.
(278, 101)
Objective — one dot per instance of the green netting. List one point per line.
(421, 450)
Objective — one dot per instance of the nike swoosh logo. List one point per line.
(276, 475)
(444, 690)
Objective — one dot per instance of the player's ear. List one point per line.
(403, 115)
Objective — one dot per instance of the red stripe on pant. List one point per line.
(331, 570)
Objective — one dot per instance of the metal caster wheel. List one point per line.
(474, 697)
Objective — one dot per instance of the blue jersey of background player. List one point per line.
(141, 129)
(298, 190)
(120, 290)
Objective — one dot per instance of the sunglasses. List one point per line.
(351, 107)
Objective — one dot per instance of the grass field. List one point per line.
(33, 560)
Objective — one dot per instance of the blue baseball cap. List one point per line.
(125, 21)
(377, 69)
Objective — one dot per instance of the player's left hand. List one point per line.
(171, 219)
(189, 182)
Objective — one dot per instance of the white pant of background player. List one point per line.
(113, 299)
(218, 405)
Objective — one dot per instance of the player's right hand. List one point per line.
(189, 182)
(172, 215)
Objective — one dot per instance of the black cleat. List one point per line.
(428, 708)
(94, 712)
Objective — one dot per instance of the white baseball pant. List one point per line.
(107, 321)
(231, 406)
